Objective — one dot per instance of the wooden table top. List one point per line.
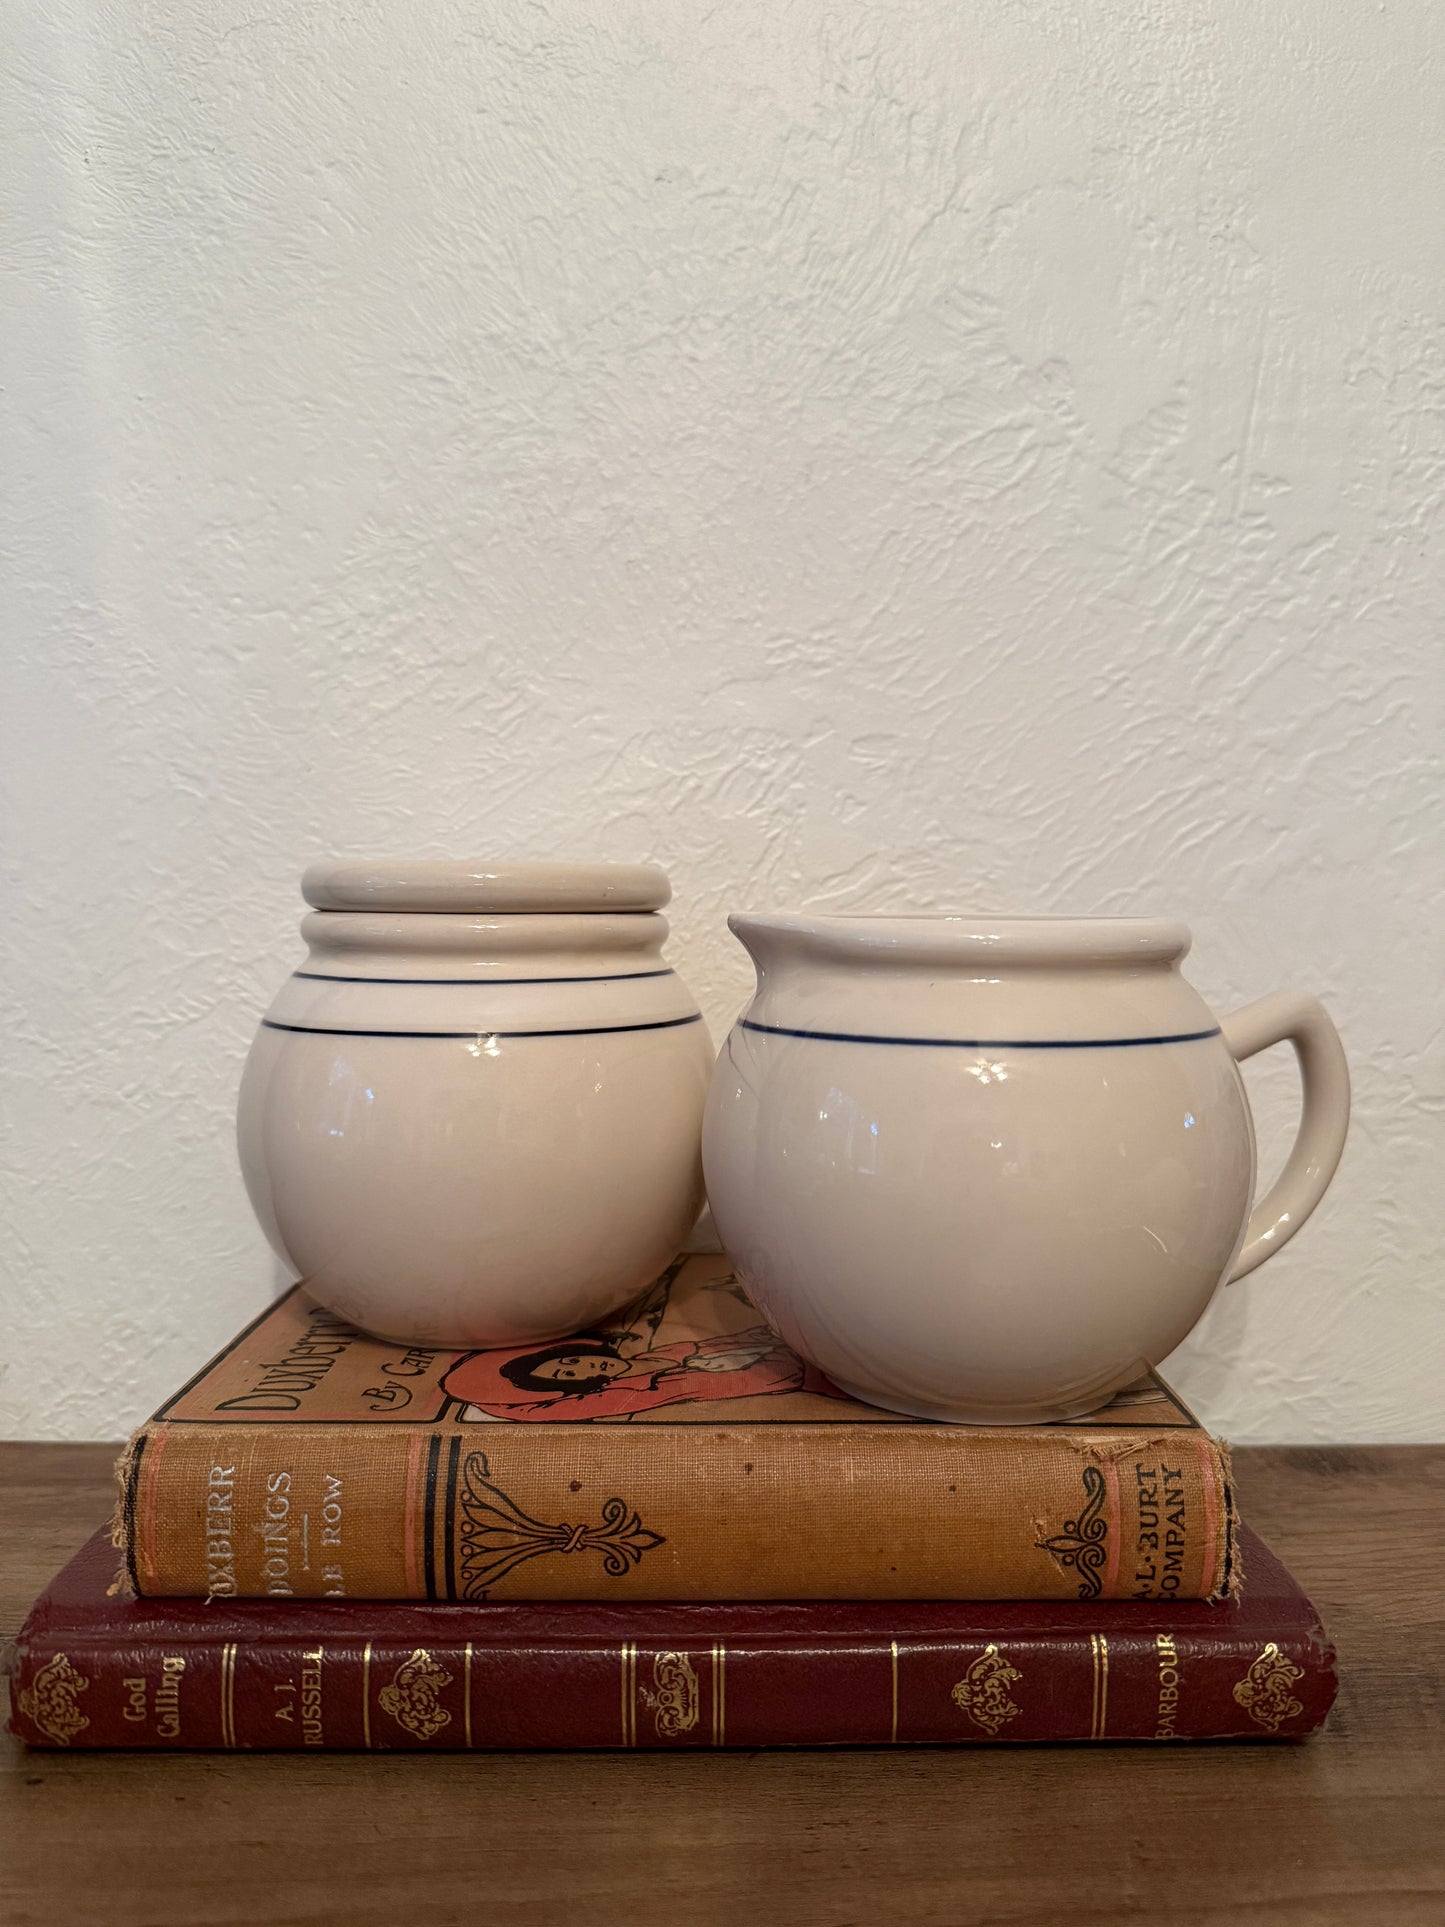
(1345, 1830)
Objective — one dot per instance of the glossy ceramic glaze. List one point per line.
(471, 1117)
(989, 1169)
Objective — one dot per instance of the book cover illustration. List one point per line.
(691, 1341)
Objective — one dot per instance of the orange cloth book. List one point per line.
(680, 1452)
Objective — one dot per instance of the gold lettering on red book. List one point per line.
(312, 1733)
(1169, 1676)
(168, 1697)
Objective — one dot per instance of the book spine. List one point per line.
(673, 1513)
(385, 1696)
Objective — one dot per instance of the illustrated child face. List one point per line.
(570, 1366)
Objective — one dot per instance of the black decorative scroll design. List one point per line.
(1083, 1545)
(497, 1536)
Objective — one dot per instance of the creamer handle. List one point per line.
(1289, 1017)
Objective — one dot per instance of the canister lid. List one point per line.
(467, 884)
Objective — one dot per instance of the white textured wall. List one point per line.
(873, 456)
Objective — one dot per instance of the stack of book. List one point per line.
(666, 1533)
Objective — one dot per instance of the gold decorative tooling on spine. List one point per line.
(1099, 1647)
(467, 1682)
(366, 1694)
(50, 1698)
(629, 1693)
(228, 1695)
(1264, 1692)
(983, 1692)
(674, 1696)
(893, 1730)
(413, 1698)
(719, 1695)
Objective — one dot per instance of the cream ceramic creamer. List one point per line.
(990, 1169)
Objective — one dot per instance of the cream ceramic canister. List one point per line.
(989, 1169)
(472, 1116)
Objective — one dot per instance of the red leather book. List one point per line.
(94, 1670)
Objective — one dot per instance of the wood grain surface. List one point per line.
(1346, 1830)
